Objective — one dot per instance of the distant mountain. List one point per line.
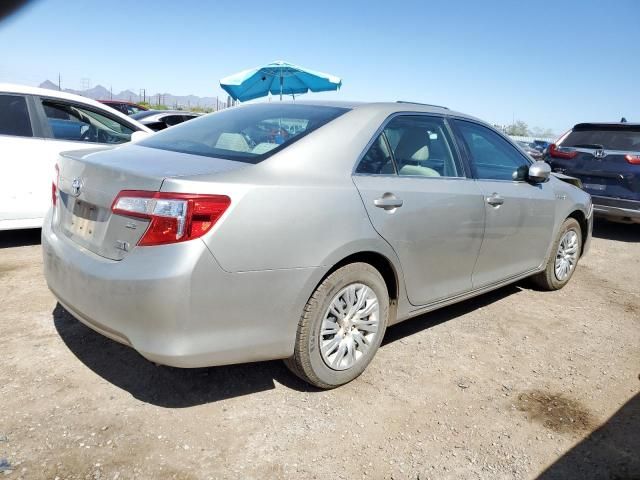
(181, 101)
(49, 85)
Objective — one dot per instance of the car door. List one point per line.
(22, 150)
(419, 199)
(519, 215)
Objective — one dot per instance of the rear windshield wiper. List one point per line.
(595, 146)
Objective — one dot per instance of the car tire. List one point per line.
(341, 314)
(569, 239)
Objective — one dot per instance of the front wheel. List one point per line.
(564, 257)
(341, 327)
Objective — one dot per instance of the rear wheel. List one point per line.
(341, 327)
(563, 259)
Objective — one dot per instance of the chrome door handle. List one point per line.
(388, 201)
(495, 200)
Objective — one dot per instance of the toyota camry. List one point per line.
(301, 231)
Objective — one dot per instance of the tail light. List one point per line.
(632, 159)
(54, 186)
(558, 152)
(174, 217)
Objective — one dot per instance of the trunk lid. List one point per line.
(90, 180)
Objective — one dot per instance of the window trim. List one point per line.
(380, 131)
(39, 99)
(467, 155)
(35, 127)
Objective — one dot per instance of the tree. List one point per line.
(519, 128)
(541, 132)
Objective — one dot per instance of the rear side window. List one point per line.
(417, 146)
(377, 160)
(249, 134)
(607, 137)
(14, 116)
(75, 123)
(173, 119)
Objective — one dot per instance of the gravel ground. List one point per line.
(514, 384)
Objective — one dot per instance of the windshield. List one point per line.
(625, 138)
(246, 134)
(143, 113)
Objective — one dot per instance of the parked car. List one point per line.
(540, 145)
(606, 158)
(128, 108)
(35, 125)
(529, 150)
(221, 240)
(160, 119)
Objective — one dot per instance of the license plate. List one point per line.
(83, 220)
(594, 186)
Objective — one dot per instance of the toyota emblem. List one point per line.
(76, 186)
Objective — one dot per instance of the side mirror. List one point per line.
(139, 135)
(539, 172)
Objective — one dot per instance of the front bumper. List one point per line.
(617, 209)
(175, 305)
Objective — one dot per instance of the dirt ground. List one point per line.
(514, 384)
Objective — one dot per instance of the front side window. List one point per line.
(72, 122)
(491, 156)
(247, 134)
(14, 116)
(416, 145)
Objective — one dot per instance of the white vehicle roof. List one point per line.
(45, 92)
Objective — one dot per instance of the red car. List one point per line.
(128, 108)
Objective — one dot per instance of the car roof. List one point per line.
(146, 114)
(390, 107)
(119, 102)
(620, 125)
(45, 92)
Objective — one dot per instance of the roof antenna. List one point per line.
(623, 120)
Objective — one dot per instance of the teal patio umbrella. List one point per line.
(277, 78)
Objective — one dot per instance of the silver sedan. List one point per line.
(301, 231)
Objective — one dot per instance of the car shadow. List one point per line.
(179, 388)
(19, 238)
(166, 386)
(621, 232)
(611, 451)
(436, 317)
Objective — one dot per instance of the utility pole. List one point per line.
(111, 91)
(59, 82)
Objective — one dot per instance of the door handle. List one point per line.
(495, 200)
(388, 201)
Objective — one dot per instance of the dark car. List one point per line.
(606, 158)
(539, 145)
(161, 119)
(529, 150)
(128, 108)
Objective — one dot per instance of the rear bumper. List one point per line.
(175, 305)
(617, 209)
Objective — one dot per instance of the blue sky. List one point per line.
(549, 63)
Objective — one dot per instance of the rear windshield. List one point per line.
(614, 137)
(247, 134)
